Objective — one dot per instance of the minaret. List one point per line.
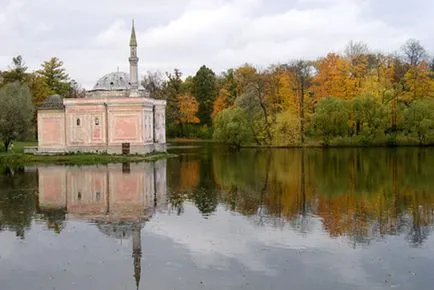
(137, 253)
(133, 60)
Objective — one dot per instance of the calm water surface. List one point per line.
(216, 219)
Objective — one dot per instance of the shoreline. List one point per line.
(22, 159)
(317, 144)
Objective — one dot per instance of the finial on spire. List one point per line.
(133, 41)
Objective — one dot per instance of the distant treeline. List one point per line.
(354, 98)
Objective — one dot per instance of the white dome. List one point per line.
(113, 81)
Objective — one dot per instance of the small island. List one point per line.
(16, 157)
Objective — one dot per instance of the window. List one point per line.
(96, 121)
(98, 195)
(79, 195)
(78, 122)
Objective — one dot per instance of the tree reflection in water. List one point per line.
(17, 199)
(362, 194)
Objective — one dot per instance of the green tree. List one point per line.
(419, 118)
(286, 129)
(232, 127)
(255, 111)
(16, 112)
(173, 88)
(255, 100)
(15, 73)
(228, 82)
(55, 76)
(330, 119)
(204, 89)
(371, 115)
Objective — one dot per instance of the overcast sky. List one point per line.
(91, 36)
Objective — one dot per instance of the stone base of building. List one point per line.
(115, 149)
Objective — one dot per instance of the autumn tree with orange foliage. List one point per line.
(188, 107)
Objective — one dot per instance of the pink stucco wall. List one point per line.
(125, 126)
(102, 124)
(51, 128)
(86, 125)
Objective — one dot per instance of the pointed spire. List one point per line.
(137, 253)
(133, 41)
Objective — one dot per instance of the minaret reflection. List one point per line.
(118, 198)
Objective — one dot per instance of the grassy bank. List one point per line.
(17, 157)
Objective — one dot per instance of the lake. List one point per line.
(220, 219)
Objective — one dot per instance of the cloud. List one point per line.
(208, 241)
(185, 34)
(225, 237)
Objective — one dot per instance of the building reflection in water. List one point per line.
(118, 198)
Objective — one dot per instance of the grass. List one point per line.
(18, 147)
(17, 157)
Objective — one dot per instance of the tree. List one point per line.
(357, 56)
(302, 71)
(16, 112)
(153, 83)
(188, 107)
(221, 102)
(232, 127)
(353, 50)
(204, 89)
(55, 76)
(17, 72)
(332, 77)
(75, 90)
(243, 76)
(417, 82)
(419, 119)
(431, 67)
(330, 119)
(254, 103)
(38, 88)
(227, 92)
(371, 115)
(286, 129)
(413, 52)
(173, 87)
(229, 82)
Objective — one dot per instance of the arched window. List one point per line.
(96, 121)
(78, 122)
